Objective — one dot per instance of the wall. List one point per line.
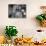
(25, 26)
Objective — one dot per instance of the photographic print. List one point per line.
(17, 11)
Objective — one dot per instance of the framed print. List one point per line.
(17, 11)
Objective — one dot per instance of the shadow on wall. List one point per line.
(34, 22)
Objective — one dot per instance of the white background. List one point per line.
(27, 26)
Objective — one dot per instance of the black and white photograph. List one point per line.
(17, 11)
